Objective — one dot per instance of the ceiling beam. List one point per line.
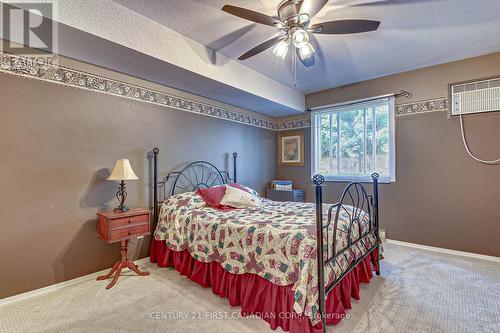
(145, 48)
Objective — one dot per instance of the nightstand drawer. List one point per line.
(129, 232)
(131, 220)
(114, 226)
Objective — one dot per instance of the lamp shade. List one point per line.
(122, 171)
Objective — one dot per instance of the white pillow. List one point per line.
(252, 191)
(234, 197)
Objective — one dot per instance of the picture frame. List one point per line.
(291, 148)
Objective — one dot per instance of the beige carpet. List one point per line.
(419, 291)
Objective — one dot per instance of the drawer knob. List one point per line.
(129, 233)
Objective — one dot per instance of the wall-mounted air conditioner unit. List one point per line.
(471, 97)
(475, 97)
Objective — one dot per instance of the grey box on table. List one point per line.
(293, 195)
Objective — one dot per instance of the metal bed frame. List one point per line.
(190, 178)
(363, 212)
(360, 207)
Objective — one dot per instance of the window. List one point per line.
(353, 140)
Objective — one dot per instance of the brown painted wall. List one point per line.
(58, 145)
(441, 196)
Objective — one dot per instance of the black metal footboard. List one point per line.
(361, 210)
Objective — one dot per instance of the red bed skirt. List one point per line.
(261, 298)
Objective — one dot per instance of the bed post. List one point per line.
(375, 177)
(318, 180)
(155, 186)
(235, 155)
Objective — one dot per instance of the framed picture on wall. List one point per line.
(291, 149)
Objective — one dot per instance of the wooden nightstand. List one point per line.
(121, 226)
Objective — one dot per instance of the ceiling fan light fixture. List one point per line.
(300, 38)
(306, 52)
(303, 18)
(281, 49)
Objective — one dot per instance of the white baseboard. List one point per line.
(443, 250)
(59, 285)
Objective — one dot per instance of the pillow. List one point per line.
(241, 187)
(239, 198)
(250, 190)
(213, 196)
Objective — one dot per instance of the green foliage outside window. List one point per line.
(356, 135)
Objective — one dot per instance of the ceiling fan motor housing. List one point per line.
(289, 12)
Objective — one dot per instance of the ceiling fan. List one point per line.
(294, 20)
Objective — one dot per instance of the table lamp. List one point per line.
(122, 172)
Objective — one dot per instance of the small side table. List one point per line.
(293, 195)
(121, 226)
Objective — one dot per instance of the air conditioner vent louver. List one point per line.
(475, 97)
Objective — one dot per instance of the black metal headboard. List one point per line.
(199, 174)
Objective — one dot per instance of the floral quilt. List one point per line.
(277, 241)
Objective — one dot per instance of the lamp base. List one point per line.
(121, 195)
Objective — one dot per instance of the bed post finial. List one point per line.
(156, 150)
(235, 156)
(318, 180)
(375, 177)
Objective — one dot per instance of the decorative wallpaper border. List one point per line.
(418, 107)
(285, 125)
(429, 105)
(57, 74)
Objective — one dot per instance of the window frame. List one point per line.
(350, 106)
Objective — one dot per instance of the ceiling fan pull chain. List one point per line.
(294, 68)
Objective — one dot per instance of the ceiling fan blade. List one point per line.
(373, 3)
(312, 7)
(345, 27)
(251, 15)
(261, 47)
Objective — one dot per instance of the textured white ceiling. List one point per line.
(413, 34)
